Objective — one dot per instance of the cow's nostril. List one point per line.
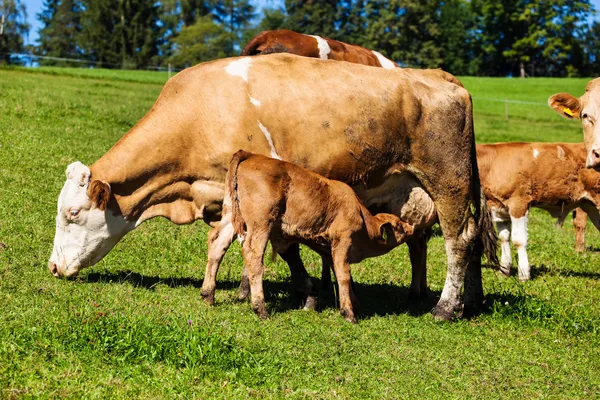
(596, 154)
(53, 268)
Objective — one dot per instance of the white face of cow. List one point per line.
(586, 108)
(86, 229)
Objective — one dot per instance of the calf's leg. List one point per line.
(341, 268)
(504, 235)
(301, 281)
(579, 222)
(253, 251)
(219, 240)
(519, 239)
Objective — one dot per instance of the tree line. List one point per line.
(465, 37)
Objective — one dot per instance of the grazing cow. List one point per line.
(550, 176)
(274, 200)
(403, 139)
(286, 41)
(586, 108)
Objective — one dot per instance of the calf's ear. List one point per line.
(566, 105)
(99, 194)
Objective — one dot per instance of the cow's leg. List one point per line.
(579, 222)
(244, 289)
(417, 250)
(253, 251)
(301, 281)
(219, 240)
(504, 235)
(519, 239)
(341, 268)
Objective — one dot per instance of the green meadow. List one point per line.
(135, 326)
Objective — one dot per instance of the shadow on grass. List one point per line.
(541, 270)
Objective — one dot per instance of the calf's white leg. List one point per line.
(519, 239)
(506, 257)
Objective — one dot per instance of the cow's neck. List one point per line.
(149, 171)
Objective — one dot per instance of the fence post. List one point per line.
(506, 108)
(169, 69)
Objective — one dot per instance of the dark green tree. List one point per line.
(13, 28)
(235, 16)
(203, 41)
(313, 17)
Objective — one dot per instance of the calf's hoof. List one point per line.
(208, 296)
(349, 316)
(506, 270)
(311, 303)
(243, 291)
(260, 311)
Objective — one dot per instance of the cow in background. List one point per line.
(550, 176)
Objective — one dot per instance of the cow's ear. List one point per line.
(99, 194)
(566, 105)
(79, 173)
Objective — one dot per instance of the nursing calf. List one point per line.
(269, 199)
(550, 176)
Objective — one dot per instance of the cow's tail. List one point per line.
(487, 232)
(231, 182)
(251, 49)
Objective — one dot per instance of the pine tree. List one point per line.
(62, 26)
(235, 17)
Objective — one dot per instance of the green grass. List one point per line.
(134, 326)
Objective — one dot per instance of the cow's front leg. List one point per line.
(219, 240)
(417, 250)
(519, 239)
(504, 236)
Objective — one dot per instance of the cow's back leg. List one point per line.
(579, 222)
(219, 240)
(417, 250)
(301, 281)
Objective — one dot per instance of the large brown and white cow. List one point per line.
(550, 176)
(586, 108)
(399, 137)
(286, 41)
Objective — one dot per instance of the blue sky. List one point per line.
(35, 6)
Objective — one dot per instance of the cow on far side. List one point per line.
(269, 199)
(286, 41)
(550, 176)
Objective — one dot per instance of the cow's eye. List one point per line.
(584, 116)
(73, 213)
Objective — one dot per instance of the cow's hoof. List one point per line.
(469, 311)
(260, 311)
(208, 296)
(243, 292)
(417, 297)
(349, 316)
(441, 313)
(524, 278)
(311, 303)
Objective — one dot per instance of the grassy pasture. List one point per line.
(134, 326)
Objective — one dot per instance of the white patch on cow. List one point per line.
(519, 239)
(385, 62)
(504, 236)
(536, 153)
(84, 233)
(254, 101)
(324, 48)
(269, 140)
(239, 67)
(560, 152)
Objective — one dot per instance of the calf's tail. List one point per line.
(231, 182)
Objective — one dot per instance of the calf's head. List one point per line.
(86, 227)
(586, 108)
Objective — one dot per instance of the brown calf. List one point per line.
(269, 199)
(550, 176)
(286, 41)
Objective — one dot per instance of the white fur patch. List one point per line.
(536, 153)
(385, 62)
(324, 48)
(254, 101)
(560, 152)
(239, 68)
(269, 140)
